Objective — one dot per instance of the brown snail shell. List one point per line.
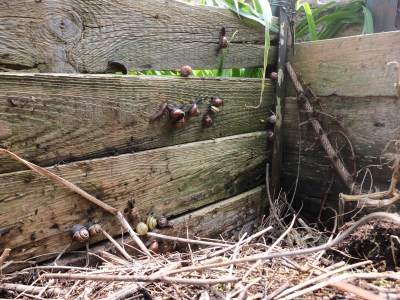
(185, 71)
(274, 76)
(194, 110)
(176, 113)
(272, 119)
(216, 101)
(271, 136)
(141, 228)
(180, 123)
(207, 121)
(223, 42)
(162, 222)
(94, 229)
(151, 222)
(79, 233)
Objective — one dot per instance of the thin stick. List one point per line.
(323, 276)
(328, 245)
(36, 290)
(152, 278)
(248, 240)
(353, 289)
(234, 255)
(116, 245)
(132, 289)
(185, 240)
(4, 255)
(251, 283)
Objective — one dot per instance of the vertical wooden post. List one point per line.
(280, 103)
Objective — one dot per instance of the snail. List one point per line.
(79, 233)
(223, 42)
(193, 110)
(185, 71)
(158, 114)
(141, 228)
(274, 76)
(272, 119)
(94, 229)
(176, 113)
(207, 121)
(162, 222)
(214, 109)
(216, 101)
(151, 222)
(180, 123)
(271, 136)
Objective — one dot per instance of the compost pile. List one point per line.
(231, 270)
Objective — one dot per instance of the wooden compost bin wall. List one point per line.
(358, 86)
(94, 130)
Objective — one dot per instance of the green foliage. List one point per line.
(320, 26)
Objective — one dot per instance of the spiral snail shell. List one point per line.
(271, 136)
(207, 121)
(151, 222)
(185, 71)
(162, 222)
(79, 233)
(272, 119)
(141, 228)
(94, 229)
(216, 101)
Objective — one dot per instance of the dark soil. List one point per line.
(378, 240)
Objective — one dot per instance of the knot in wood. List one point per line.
(64, 27)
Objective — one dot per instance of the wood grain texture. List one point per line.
(49, 119)
(353, 66)
(227, 218)
(169, 181)
(83, 37)
(371, 124)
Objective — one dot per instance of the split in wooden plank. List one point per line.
(81, 37)
(355, 66)
(169, 181)
(48, 119)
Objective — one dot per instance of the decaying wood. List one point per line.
(169, 181)
(82, 37)
(355, 66)
(280, 102)
(48, 119)
(321, 135)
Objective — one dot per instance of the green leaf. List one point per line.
(310, 20)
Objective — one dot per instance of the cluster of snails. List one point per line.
(81, 233)
(151, 221)
(179, 113)
(214, 108)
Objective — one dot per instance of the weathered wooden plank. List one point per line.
(53, 118)
(227, 218)
(371, 124)
(170, 181)
(80, 36)
(350, 66)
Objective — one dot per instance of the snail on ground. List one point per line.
(162, 222)
(141, 228)
(79, 233)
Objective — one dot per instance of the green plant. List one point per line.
(324, 26)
